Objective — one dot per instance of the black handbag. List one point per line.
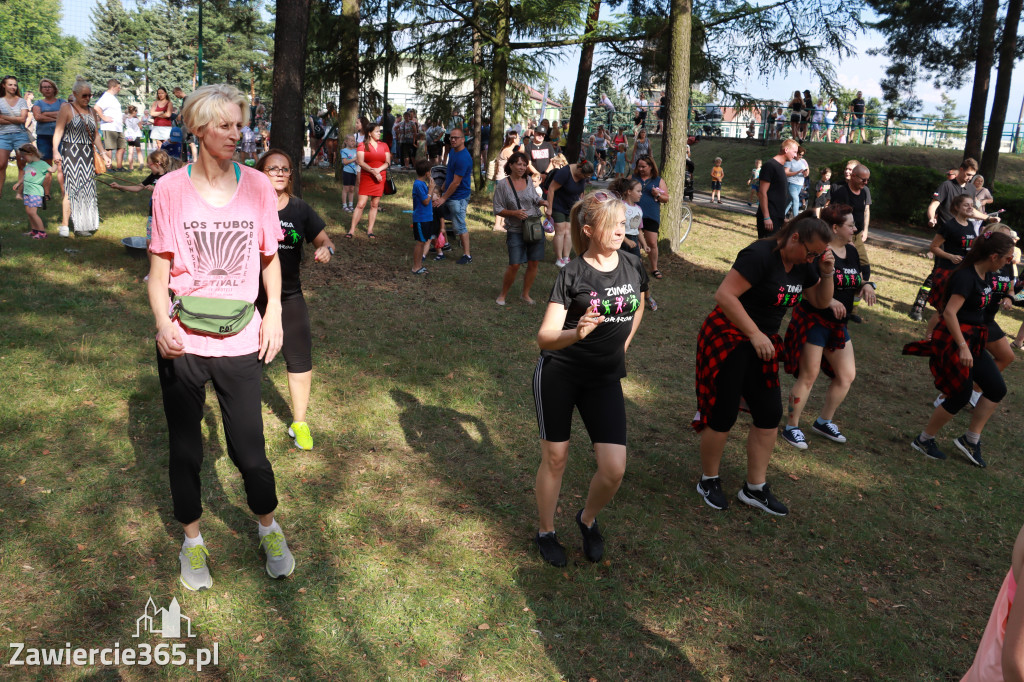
(533, 228)
(389, 186)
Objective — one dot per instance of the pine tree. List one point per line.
(237, 48)
(109, 52)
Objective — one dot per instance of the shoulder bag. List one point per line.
(99, 164)
(389, 185)
(533, 228)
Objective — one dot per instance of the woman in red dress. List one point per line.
(374, 157)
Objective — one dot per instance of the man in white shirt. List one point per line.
(609, 108)
(108, 111)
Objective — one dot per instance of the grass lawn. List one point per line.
(412, 518)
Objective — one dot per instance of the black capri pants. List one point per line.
(986, 374)
(237, 383)
(297, 348)
(742, 375)
(557, 391)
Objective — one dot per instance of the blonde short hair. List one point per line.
(207, 104)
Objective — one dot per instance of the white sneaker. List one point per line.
(63, 231)
(559, 263)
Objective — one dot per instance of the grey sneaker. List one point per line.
(280, 562)
(195, 569)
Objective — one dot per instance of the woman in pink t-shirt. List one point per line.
(215, 230)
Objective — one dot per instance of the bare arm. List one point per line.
(762, 200)
(551, 335)
(271, 331)
(324, 248)
(169, 341)
(867, 222)
(1013, 641)
(932, 207)
(936, 248)
(820, 295)
(58, 132)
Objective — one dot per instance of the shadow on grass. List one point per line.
(575, 615)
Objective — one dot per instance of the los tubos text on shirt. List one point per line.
(219, 225)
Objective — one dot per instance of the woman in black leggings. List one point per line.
(215, 232)
(595, 308)
(739, 346)
(957, 348)
(299, 224)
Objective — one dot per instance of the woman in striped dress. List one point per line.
(73, 140)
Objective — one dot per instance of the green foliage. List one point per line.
(31, 43)
(733, 37)
(156, 45)
(109, 51)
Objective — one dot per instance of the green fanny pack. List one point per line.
(212, 316)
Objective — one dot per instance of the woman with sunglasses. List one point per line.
(76, 136)
(595, 308)
(300, 224)
(956, 349)
(374, 158)
(818, 338)
(14, 111)
(738, 350)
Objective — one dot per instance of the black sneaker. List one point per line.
(762, 499)
(439, 256)
(795, 437)
(855, 318)
(464, 260)
(927, 447)
(593, 542)
(550, 549)
(711, 491)
(971, 452)
(829, 430)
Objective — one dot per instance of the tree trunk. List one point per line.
(348, 78)
(478, 180)
(677, 94)
(499, 79)
(579, 98)
(1001, 97)
(982, 76)
(287, 130)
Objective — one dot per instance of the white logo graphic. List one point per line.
(163, 622)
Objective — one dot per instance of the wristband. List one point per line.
(330, 250)
(872, 285)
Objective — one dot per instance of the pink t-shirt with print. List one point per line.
(215, 251)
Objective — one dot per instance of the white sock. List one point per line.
(267, 530)
(759, 486)
(972, 438)
(193, 542)
(704, 477)
(975, 397)
(926, 437)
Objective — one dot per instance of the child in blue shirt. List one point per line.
(349, 172)
(423, 226)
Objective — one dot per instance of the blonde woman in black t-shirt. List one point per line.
(595, 308)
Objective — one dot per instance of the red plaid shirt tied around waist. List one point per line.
(804, 319)
(951, 377)
(940, 277)
(718, 337)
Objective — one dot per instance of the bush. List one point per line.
(900, 194)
